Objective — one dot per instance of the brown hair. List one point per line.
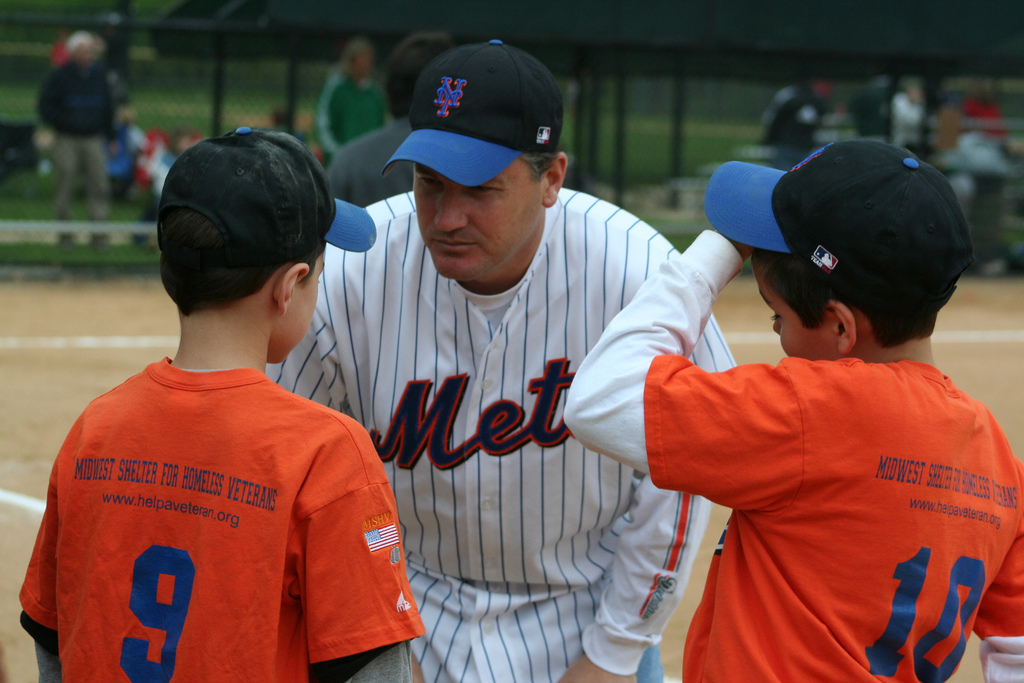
(794, 282)
(539, 162)
(195, 289)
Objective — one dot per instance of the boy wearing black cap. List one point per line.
(455, 341)
(196, 513)
(876, 508)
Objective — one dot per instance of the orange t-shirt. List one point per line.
(214, 526)
(876, 517)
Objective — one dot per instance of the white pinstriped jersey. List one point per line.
(518, 540)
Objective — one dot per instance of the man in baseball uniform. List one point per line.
(454, 341)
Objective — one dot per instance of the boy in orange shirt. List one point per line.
(876, 509)
(203, 523)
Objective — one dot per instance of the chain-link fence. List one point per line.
(196, 78)
(207, 81)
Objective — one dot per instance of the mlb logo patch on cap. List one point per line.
(824, 259)
(543, 135)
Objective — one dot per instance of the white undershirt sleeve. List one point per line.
(1002, 659)
(605, 404)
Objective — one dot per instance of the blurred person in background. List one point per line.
(981, 105)
(908, 116)
(351, 103)
(121, 165)
(115, 39)
(354, 170)
(76, 101)
(791, 122)
(869, 108)
(59, 54)
(154, 166)
(983, 164)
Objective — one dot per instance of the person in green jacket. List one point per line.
(351, 102)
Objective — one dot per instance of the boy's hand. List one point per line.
(745, 249)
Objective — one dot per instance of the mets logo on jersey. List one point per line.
(422, 425)
(824, 259)
(448, 97)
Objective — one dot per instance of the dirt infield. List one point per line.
(62, 343)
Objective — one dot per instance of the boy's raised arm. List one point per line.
(605, 406)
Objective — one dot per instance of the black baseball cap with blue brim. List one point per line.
(476, 108)
(268, 195)
(881, 227)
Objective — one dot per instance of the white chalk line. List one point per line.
(122, 342)
(18, 500)
(87, 342)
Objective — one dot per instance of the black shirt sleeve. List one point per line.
(46, 637)
(342, 669)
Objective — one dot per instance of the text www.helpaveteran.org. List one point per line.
(982, 490)
(182, 477)
(164, 505)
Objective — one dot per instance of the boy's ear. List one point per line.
(843, 324)
(284, 282)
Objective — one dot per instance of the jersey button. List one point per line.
(487, 384)
(489, 627)
(487, 504)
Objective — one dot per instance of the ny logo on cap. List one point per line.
(446, 97)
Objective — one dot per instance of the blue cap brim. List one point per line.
(352, 228)
(738, 203)
(460, 158)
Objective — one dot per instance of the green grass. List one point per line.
(123, 257)
(118, 256)
(648, 146)
(28, 196)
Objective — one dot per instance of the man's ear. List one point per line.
(843, 324)
(283, 285)
(553, 179)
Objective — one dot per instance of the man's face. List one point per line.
(361, 65)
(83, 54)
(485, 237)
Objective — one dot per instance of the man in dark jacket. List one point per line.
(76, 102)
(791, 122)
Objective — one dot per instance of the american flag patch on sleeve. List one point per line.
(384, 537)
